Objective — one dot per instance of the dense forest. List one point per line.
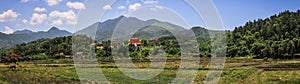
(275, 37)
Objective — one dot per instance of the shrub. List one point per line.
(38, 57)
(57, 56)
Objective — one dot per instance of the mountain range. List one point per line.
(23, 36)
(122, 28)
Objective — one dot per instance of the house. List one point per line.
(15, 58)
(135, 41)
(15, 55)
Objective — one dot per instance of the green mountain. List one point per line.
(128, 27)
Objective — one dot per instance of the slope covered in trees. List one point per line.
(42, 47)
(276, 36)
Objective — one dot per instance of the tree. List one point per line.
(145, 42)
(256, 48)
(232, 50)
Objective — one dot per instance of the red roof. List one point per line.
(134, 41)
(15, 55)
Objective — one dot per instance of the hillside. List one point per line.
(276, 36)
(50, 47)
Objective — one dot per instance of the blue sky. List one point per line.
(41, 15)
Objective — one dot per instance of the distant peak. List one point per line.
(53, 29)
(122, 16)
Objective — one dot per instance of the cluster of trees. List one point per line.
(168, 44)
(276, 37)
(42, 47)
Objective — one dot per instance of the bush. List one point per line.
(134, 55)
(38, 57)
(145, 52)
(57, 56)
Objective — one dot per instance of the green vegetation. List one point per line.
(237, 71)
(274, 37)
(38, 57)
(48, 47)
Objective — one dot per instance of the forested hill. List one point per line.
(276, 36)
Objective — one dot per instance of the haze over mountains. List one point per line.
(23, 36)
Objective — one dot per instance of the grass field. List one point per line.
(236, 71)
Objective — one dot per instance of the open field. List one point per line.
(236, 71)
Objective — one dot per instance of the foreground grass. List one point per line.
(236, 71)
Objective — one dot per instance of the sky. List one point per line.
(41, 15)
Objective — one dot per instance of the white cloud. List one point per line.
(121, 7)
(8, 15)
(75, 5)
(52, 2)
(8, 30)
(156, 8)
(135, 6)
(24, 1)
(57, 22)
(68, 16)
(150, 1)
(37, 18)
(24, 21)
(107, 7)
(38, 9)
(127, 15)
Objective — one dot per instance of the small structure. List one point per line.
(15, 55)
(99, 47)
(62, 54)
(79, 53)
(156, 41)
(135, 41)
(15, 58)
(68, 56)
